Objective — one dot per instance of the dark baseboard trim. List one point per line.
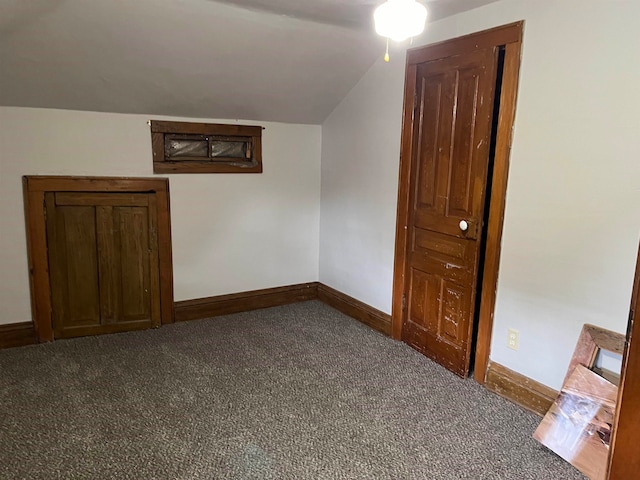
(20, 334)
(17, 335)
(244, 301)
(362, 312)
(272, 297)
(527, 393)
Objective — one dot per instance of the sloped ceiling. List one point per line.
(271, 60)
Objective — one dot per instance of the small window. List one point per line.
(181, 147)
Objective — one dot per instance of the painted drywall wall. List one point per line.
(231, 233)
(573, 203)
(360, 149)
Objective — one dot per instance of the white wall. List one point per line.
(231, 232)
(360, 151)
(573, 205)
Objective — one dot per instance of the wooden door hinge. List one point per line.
(404, 301)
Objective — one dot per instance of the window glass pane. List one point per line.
(187, 148)
(230, 149)
(206, 147)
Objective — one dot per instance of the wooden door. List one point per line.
(103, 262)
(624, 461)
(450, 155)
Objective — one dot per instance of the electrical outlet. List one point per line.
(513, 339)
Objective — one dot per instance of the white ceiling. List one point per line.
(271, 60)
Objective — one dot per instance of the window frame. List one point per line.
(160, 129)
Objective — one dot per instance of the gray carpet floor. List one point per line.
(293, 392)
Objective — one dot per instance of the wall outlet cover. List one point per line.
(513, 339)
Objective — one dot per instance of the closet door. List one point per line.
(451, 156)
(103, 262)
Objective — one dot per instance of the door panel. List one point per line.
(103, 256)
(109, 261)
(134, 278)
(451, 138)
(455, 316)
(431, 91)
(453, 135)
(105, 199)
(462, 166)
(81, 270)
(74, 271)
(443, 255)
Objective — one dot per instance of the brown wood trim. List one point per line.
(521, 390)
(510, 36)
(624, 461)
(94, 184)
(17, 335)
(272, 297)
(503, 35)
(166, 126)
(35, 187)
(362, 312)
(244, 301)
(402, 215)
(165, 255)
(163, 164)
(497, 205)
(38, 261)
(203, 167)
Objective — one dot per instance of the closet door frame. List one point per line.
(35, 188)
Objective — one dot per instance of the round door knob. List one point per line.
(463, 225)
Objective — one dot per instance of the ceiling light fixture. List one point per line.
(398, 20)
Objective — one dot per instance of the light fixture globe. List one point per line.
(400, 19)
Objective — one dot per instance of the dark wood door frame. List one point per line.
(509, 36)
(624, 461)
(35, 188)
